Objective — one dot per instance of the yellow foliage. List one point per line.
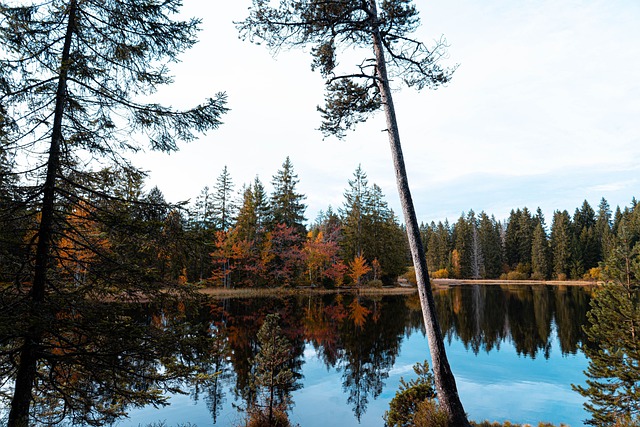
(358, 268)
(443, 273)
(594, 273)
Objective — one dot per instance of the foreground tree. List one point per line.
(71, 77)
(336, 25)
(613, 375)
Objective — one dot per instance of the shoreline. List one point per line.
(395, 290)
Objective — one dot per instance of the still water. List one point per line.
(515, 351)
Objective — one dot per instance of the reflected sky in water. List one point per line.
(503, 383)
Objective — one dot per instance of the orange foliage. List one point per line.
(358, 268)
(80, 243)
(358, 313)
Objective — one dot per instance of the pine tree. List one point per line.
(222, 206)
(603, 232)
(383, 31)
(613, 374)
(491, 244)
(354, 214)
(285, 203)
(539, 253)
(74, 77)
(561, 244)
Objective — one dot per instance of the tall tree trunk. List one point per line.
(29, 355)
(445, 382)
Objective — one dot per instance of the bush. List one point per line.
(259, 418)
(514, 275)
(376, 283)
(406, 403)
(538, 276)
(561, 277)
(410, 276)
(443, 273)
(594, 273)
(428, 414)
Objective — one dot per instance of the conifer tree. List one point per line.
(383, 29)
(222, 206)
(286, 204)
(561, 244)
(613, 374)
(539, 253)
(73, 79)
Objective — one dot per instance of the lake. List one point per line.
(515, 351)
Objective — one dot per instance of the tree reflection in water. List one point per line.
(360, 336)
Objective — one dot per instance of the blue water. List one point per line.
(497, 385)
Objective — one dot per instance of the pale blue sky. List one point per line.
(544, 110)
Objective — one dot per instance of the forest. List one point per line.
(254, 238)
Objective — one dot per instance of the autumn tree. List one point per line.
(358, 268)
(383, 31)
(74, 76)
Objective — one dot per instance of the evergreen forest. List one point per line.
(251, 237)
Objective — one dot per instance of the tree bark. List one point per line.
(30, 352)
(446, 388)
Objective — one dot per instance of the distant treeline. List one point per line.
(252, 238)
(478, 246)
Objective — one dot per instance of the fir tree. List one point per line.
(613, 375)
(74, 76)
(286, 204)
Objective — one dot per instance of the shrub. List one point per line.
(410, 276)
(594, 273)
(561, 276)
(538, 276)
(443, 273)
(517, 275)
(260, 418)
(376, 283)
(429, 414)
(406, 403)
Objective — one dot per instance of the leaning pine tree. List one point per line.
(384, 29)
(74, 75)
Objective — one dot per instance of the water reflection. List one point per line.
(483, 317)
(360, 337)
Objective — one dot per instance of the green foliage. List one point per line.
(406, 403)
(429, 414)
(73, 91)
(613, 375)
(375, 284)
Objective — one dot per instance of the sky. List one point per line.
(542, 111)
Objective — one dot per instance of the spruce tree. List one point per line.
(613, 374)
(223, 207)
(286, 203)
(561, 244)
(74, 76)
(382, 31)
